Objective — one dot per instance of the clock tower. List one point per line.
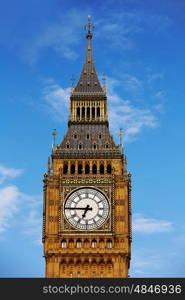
(87, 190)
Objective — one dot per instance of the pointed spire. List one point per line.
(88, 82)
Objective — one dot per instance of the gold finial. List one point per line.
(54, 134)
(89, 27)
(120, 133)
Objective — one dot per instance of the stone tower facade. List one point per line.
(87, 190)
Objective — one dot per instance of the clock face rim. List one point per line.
(105, 198)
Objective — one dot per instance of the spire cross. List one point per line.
(89, 27)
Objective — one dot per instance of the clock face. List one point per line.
(86, 209)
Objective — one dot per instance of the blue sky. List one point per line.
(140, 46)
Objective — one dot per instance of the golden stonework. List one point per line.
(87, 190)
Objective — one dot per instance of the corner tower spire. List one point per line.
(88, 83)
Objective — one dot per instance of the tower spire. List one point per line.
(88, 83)
(89, 27)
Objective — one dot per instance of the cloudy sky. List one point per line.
(140, 46)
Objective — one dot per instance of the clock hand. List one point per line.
(85, 211)
(81, 208)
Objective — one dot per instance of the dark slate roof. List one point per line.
(88, 82)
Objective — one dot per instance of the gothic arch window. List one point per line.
(101, 169)
(72, 169)
(99, 136)
(87, 169)
(109, 244)
(64, 244)
(78, 113)
(107, 146)
(65, 170)
(94, 244)
(87, 136)
(98, 112)
(78, 244)
(80, 169)
(88, 112)
(80, 146)
(93, 112)
(75, 136)
(94, 146)
(83, 112)
(67, 145)
(109, 169)
(94, 169)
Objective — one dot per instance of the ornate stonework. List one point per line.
(87, 159)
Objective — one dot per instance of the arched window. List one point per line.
(83, 112)
(94, 169)
(64, 244)
(109, 169)
(78, 113)
(98, 112)
(67, 145)
(94, 146)
(78, 244)
(93, 112)
(94, 244)
(109, 244)
(99, 136)
(80, 169)
(88, 112)
(72, 169)
(87, 169)
(87, 136)
(80, 146)
(101, 169)
(65, 169)
(107, 146)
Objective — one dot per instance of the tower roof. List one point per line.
(88, 83)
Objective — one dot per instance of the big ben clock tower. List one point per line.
(87, 190)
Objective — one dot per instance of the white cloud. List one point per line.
(32, 225)
(9, 173)
(124, 114)
(21, 209)
(150, 225)
(9, 202)
(57, 100)
(61, 36)
(132, 83)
